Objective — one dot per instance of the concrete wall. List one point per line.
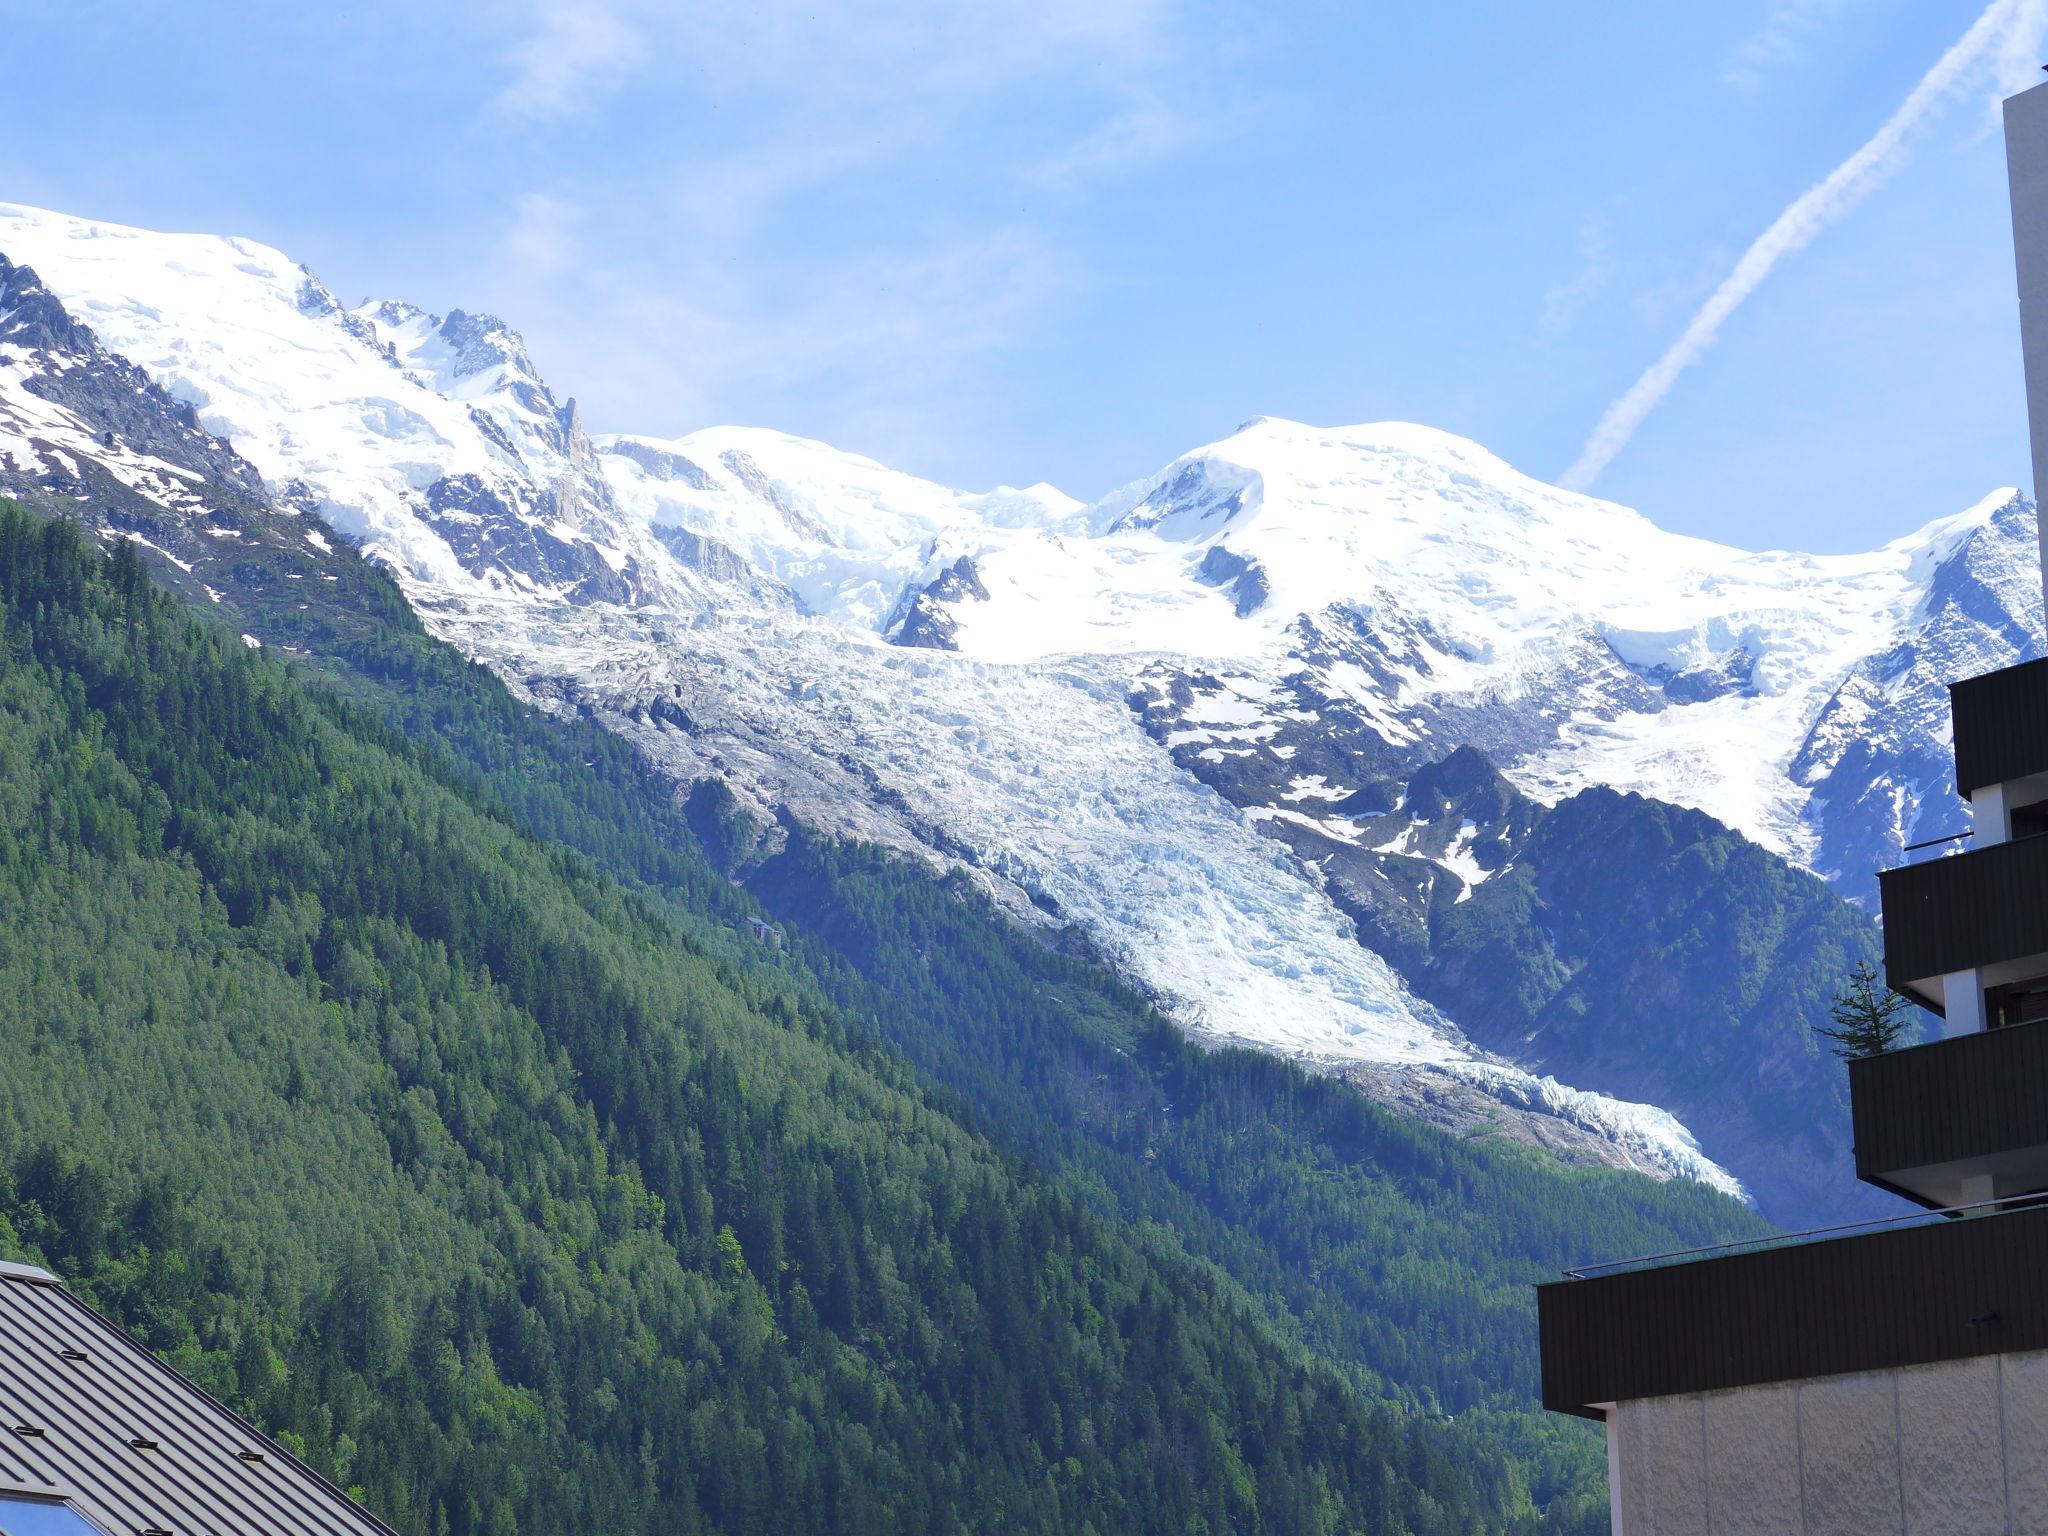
(2026, 166)
(1958, 1449)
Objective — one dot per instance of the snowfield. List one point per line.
(1095, 709)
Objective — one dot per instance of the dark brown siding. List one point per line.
(2001, 722)
(1970, 1096)
(1946, 1291)
(1972, 909)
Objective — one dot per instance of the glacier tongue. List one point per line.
(1138, 689)
(1037, 777)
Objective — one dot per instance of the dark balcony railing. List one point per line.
(1971, 909)
(1912, 1295)
(1968, 1098)
(2001, 722)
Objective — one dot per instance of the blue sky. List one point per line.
(1070, 239)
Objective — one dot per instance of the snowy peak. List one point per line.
(1984, 576)
(1198, 498)
(1875, 757)
(444, 458)
(31, 317)
(1395, 477)
(1394, 587)
(850, 538)
(87, 436)
(477, 359)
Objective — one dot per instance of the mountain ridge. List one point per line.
(1101, 705)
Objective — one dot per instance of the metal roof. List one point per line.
(88, 1414)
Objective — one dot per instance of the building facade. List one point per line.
(1892, 1378)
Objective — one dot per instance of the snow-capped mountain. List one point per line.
(86, 433)
(1391, 592)
(1101, 710)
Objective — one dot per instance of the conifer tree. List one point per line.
(1868, 1016)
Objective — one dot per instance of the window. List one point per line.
(2017, 1002)
(2029, 820)
(21, 1516)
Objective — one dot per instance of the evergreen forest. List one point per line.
(399, 1063)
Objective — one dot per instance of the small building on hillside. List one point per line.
(98, 1437)
(1893, 1376)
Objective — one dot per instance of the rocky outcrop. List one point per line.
(927, 620)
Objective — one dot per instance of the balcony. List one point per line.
(1972, 1106)
(1874, 1300)
(1971, 911)
(2001, 722)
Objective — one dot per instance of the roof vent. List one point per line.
(142, 1443)
(154, 1530)
(254, 1458)
(69, 1353)
(29, 1431)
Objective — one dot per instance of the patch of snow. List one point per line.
(136, 538)
(1313, 787)
(1458, 859)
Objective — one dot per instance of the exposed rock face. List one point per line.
(1619, 944)
(703, 554)
(1450, 1103)
(1243, 578)
(1877, 756)
(927, 618)
(86, 435)
(662, 463)
(487, 536)
(1731, 672)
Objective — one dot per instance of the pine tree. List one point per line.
(1868, 1017)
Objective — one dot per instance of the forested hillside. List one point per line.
(1037, 1042)
(1622, 943)
(1667, 958)
(417, 1096)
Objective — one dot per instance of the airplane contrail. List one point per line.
(1992, 33)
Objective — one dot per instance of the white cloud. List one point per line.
(1998, 35)
(748, 275)
(1782, 39)
(878, 336)
(1137, 136)
(2017, 62)
(912, 50)
(576, 50)
(1563, 301)
(542, 241)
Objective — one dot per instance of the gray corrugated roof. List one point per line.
(89, 1411)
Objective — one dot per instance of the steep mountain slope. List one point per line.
(1167, 880)
(561, 1193)
(1096, 711)
(1615, 939)
(85, 432)
(431, 1146)
(1427, 596)
(1404, 592)
(433, 446)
